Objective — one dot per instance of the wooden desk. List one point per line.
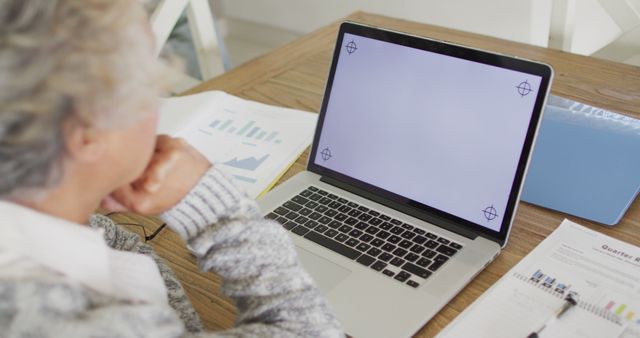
(294, 76)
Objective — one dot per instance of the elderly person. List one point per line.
(77, 129)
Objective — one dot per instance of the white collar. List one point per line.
(80, 253)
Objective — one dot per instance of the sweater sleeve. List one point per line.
(255, 257)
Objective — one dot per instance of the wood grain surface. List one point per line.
(294, 76)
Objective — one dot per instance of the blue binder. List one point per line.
(586, 162)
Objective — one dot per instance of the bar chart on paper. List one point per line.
(249, 130)
(606, 302)
(252, 142)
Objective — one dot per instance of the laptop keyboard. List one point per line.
(394, 248)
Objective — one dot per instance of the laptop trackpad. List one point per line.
(325, 273)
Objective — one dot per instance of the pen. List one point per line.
(569, 303)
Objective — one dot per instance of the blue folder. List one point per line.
(586, 162)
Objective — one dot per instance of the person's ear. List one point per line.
(83, 143)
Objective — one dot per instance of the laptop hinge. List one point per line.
(439, 221)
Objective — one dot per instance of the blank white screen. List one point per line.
(443, 131)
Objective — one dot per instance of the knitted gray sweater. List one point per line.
(254, 256)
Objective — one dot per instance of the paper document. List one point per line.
(253, 143)
(602, 273)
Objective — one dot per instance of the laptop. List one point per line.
(414, 174)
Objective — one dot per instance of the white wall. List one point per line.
(518, 20)
(593, 28)
(528, 21)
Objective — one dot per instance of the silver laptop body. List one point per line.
(421, 148)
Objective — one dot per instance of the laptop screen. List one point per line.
(441, 130)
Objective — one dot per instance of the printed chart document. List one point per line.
(601, 273)
(253, 143)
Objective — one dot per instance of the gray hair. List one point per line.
(91, 60)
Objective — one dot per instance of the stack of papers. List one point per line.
(600, 272)
(253, 143)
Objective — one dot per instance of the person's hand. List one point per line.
(173, 171)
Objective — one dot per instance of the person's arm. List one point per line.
(255, 257)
